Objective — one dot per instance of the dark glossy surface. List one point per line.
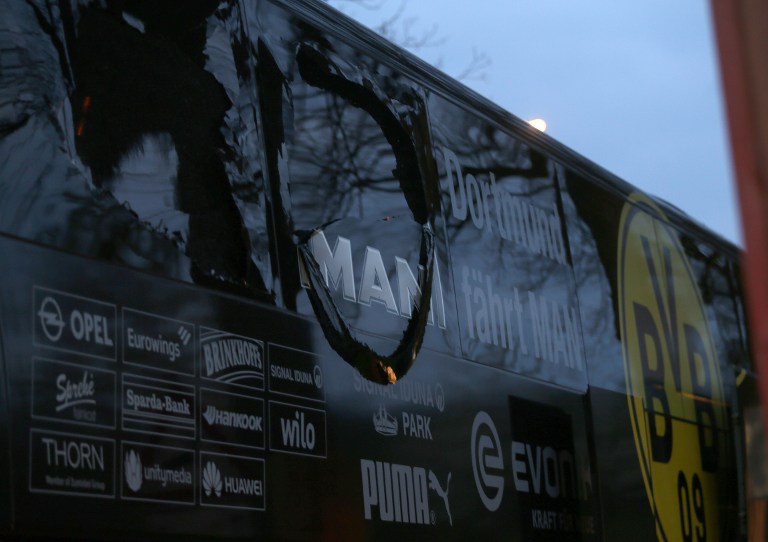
(265, 276)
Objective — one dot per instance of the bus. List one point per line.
(268, 276)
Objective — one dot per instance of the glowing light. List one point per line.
(539, 124)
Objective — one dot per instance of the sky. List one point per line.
(633, 86)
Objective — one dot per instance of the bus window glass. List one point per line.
(153, 145)
(510, 260)
(351, 170)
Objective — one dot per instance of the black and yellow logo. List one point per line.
(674, 388)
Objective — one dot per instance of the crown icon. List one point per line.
(384, 423)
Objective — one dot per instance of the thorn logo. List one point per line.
(317, 374)
(434, 484)
(50, 319)
(184, 335)
(487, 461)
(132, 467)
(211, 480)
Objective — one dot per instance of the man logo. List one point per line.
(211, 479)
(133, 475)
(487, 461)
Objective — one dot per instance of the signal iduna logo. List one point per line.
(674, 391)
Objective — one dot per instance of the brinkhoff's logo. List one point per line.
(400, 493)
(231, 358)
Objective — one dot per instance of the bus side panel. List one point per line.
(145, 408)
(659, 376)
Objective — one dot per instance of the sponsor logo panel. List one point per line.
(157, 406)
(74, 324)
(487, 461)
(297, 430)
(158, 342)
(232, 419)
(157, 473)
(71, 464)
(552, 489)
(675, 395)
(409, 424)
(395, 493)
(552, 485)
(229, 481)
(296, 373)
(413, 392)
(72, 393)
(231, 359)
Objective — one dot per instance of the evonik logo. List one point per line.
(487, 461)
(401, 492)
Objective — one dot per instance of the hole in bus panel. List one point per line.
(359, 208)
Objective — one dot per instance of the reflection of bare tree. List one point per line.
(492, 156)
(410, 34)
(721, 294)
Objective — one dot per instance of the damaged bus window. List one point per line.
(359, 209)
(163, 170)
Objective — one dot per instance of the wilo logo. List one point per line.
(487, 461)
(298, 432)
(400, 492)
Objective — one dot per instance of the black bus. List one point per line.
(267, 276)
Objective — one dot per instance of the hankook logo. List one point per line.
(487, 461)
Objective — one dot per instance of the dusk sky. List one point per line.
(633, 86)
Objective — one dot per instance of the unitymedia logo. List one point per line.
(132, 467)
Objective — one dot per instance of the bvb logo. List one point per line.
(672, 374)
